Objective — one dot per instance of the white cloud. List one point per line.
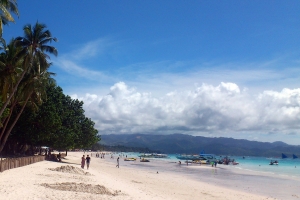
(206, 109)
(91, 49)
(71, 62)
(98, 62)
(73, 68)
(193, 97)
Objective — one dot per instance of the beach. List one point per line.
(103, 180)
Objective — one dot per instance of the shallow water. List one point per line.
(253, 174)
(289, 167)
(286, 167)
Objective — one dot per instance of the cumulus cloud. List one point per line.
(192, 97)
(202, 110)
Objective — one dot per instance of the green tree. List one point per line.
(59, 123)
(6, 7)
(34, 43)
(31, 90)
(35, 127)
(76, 131)
(10, 66)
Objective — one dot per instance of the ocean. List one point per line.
(253, 174)
(286, 167)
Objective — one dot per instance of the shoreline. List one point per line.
(36, 181)
(243, 180)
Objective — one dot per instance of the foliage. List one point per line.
(7, 6)
(59, 123)
(24, 74)
(33, 110)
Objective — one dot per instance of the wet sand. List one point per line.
(254, 182)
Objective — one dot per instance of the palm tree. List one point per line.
(7, 6)
(34, 42)
(10, 67)
(31, 91)
(34, 73)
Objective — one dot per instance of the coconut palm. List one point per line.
(30, 92)
(10, 67)
(34, 43)
(6, 7)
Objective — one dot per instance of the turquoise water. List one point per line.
(286, 167)
(290, 167)
(276, 181)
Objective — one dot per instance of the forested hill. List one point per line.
(179, 143)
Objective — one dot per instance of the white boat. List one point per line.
(274, 162)
(205, 158)
(188, 157)
(153, 155)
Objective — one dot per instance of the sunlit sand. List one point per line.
(66, 180)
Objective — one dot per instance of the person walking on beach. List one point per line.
(88, 160)
(117, 163)
(82, 162)
(59, 157)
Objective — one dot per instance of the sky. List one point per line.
(198, 67)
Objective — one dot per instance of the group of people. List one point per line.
(86, 160)
(100, 155)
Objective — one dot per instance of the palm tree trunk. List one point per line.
(6, 134)
(13, 92)
(7, 120)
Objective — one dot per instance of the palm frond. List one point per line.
(5, 13)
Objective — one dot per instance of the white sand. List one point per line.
(105, 181)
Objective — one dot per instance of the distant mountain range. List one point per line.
(180, 143)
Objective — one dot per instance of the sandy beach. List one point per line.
(66, 180)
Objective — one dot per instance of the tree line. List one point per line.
(121, 148)
(33, 109)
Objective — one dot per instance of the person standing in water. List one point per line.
(82, 162)
(88, 160)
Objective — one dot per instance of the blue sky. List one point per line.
(211, 68)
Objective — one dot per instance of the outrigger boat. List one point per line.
(200, 162)
(144, 160)
(153, 155)
(188, 157)
(130, 159)
(274, 162)
(198, 159)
